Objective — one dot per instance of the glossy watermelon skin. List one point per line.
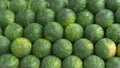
(117, 17)
(53, 31)
(103, 48)
(113, 63)
(94, 32)
(41, 48)
(77, 5)
(65, 17)
(21, 47)
(94, 61)
(104, 18)
(33, 31)
(83, 48)
(72, 62)
(115, 36)
(45, 16)
(13, 31)
(95, 5)
(9, 61)
(62, 48)
(6, 17)
(16, 5)
(85, 18)
(25, 16)
(118, 50)
(51, 62)
(73, 32)
(30, 61)
(4, 45)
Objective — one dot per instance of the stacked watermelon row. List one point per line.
(59, 33)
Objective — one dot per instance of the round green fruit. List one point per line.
(62, 48)
(83, 48)
(4, 4)
(13, 31)
(73, 32)
(117, 17)
(21, 47)
(105, 48)
(72, 62)
(53, 31)
(33, 31)
(41, 48)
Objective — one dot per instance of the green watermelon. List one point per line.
(33, 31)
(6, 17)
(21, 47)
(16, 5)
(30, 61)
(45, 16)
(94, 61)
(117, 17)
(1, 31)
(13, 31)
(8, 61)
(73, 32)
(51, 62)
(95, 5)
(72, 62)
(62, 48)
(41, 48)
(37, 5)
(4, 4)
(118, 50)
(56, 5)
(65, 17)
(4, 45)
(53, 31)
(94, 32)
(113, 63)
(83, 48)
(113, 32)
(104, 18)
(85, 18)
(25, 16)
(105, 48)
(77, 5)
(113, 4)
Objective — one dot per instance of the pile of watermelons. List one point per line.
(59, 33)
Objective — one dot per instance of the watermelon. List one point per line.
(16, 5)
(6, 17)
(118, 50)
(94, 61)
(57, 5)
(73, 32)
(37, 5)
(9, 61)
(104, 18)
(85, 18)
(25, 17)
(113, 63)
(4, 4)
(41, 48)
(51, 62)
(83, 48)
(77, 5)
(1, 31)
(113, 32)
(62, 48)
(53, 31)
(105, 48)
(117, 17)
(30, 61)
(33, 31)
(113, 4)
(45, 16)
(72, 62)
(4, 45)
(21, 47)
(13, 31)
(65, 17)
(95, 5)
(94, 32)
